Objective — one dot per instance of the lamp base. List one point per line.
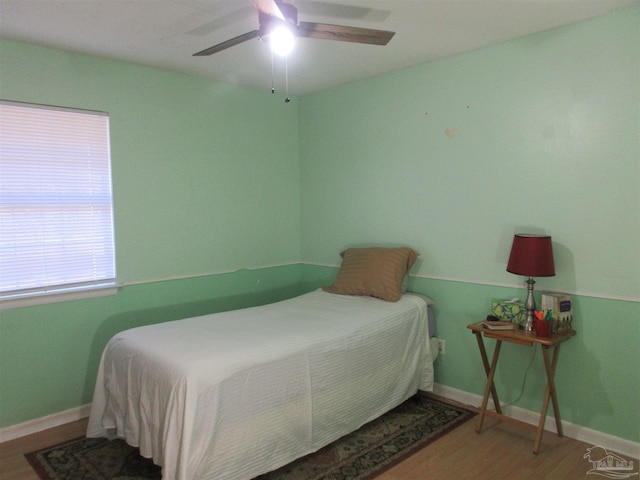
(530, 305)
(527, 325)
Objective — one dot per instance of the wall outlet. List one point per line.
(441, 346)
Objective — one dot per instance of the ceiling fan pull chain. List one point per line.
(273, 88)
(286, 79)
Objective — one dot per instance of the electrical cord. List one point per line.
(524, 379)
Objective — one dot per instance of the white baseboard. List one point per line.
(43, 423)
(583, 434)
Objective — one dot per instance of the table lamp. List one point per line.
(531, 256)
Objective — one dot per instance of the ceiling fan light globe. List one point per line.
(282, 40)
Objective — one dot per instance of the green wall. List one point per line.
(453, 157)
(220, 192)
(205, 185)
(202, 171)
(540, 134)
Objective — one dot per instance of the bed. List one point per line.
(232, 395)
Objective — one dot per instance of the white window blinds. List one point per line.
(56, 216)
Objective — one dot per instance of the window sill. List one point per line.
(47, 298)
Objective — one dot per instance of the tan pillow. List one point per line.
(376, 272)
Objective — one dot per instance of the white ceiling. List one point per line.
(166, 33)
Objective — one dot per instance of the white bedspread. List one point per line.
(232, 395)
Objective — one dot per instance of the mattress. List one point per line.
(232, 395)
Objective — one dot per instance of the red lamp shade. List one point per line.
(532, 256)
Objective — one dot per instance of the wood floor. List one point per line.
(501, 451)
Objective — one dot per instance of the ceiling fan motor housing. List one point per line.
(269, 22)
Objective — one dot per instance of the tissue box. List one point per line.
(509, 312)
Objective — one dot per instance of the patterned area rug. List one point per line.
(364, 454)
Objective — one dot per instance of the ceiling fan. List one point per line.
(274, 13)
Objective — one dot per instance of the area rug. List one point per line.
(364, 454)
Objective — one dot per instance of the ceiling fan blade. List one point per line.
(211, 26)
(268, 7)
(229, 43)
(342, 33)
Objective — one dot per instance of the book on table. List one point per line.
(498, 325)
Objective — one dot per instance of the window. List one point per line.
(56, 213)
